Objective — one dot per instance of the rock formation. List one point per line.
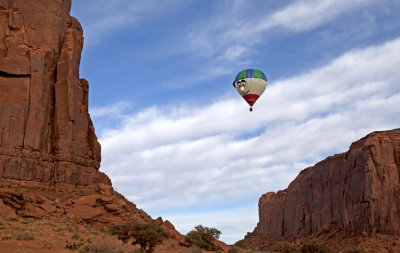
(46, 133)
(49, 153)
(356, 193)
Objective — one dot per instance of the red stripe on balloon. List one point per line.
(251, 98)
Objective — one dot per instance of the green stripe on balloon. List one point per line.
(257, 74)
(242, 74)
(250, 73)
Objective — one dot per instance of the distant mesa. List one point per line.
(348, 195)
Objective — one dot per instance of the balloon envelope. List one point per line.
(250, 83)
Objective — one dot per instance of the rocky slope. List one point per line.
(356, 193)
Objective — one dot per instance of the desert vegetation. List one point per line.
(27, 235)
(82, 238)
(147, 236)
(204, 238)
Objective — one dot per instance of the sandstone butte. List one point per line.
(352, 198)
(49, 152)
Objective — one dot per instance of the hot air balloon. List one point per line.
(250, 83)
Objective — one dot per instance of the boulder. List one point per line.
(6, 211)
(86, 213)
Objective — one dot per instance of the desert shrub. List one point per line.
(6, 236)
(48, 244)
(203, 237)
(94, 248)
(25, 235)
(355, 250)
(2, 225)
(27, 221)
(72, 245)
(148, 235)
(75, 243)
(12, 218)
(285, 247)
(59, 230)
(72, 228)
(315, 248)
(76, 236)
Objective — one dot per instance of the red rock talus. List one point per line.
(357, 192)
(46, 133)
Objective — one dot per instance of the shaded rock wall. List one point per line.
(46, 133)
(357, 192)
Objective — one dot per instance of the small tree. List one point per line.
(148, 236)
(203, 237)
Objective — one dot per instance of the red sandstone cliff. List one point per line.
(355, 193)
(49, 153)
(46, 133)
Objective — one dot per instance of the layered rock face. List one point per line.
(357, 193)
(46, 133)
(49, 153)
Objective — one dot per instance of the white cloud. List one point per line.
(166, 158)
(234, 31)
(305, 15)
(238, 26)
(115, 110)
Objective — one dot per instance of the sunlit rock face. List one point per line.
(355, 193)
(49, 153)
(46, 133)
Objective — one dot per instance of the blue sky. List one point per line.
(179, 141)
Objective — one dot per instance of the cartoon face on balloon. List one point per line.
(241, 86)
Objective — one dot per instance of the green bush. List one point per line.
(203, 237)
(148, 235)
(315, 248)
(94, 248)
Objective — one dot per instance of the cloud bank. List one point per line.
(221, 157)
